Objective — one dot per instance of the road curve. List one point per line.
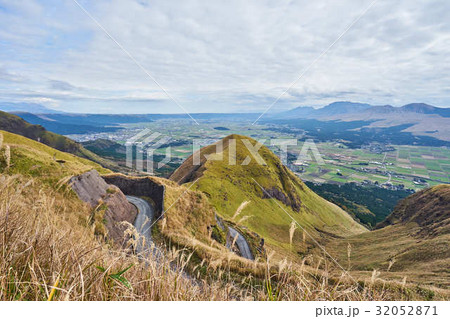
(143, 222)
(144, 219)
(241, 243)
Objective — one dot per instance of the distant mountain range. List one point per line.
(335, 108)
(66, 125)
(417, 118)
(340, 108)
(26, 107)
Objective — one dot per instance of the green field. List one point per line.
(431, 164)
(414, 167)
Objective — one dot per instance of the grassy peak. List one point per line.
(272, 191)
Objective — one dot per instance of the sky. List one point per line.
(223, 56)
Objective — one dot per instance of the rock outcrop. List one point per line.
(92, 189)
(289, 200)
(140, 187)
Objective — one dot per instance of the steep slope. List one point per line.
(271, 193)
(370, 205)
(188, 214)
(412, 242)
(21, 155)
(16, 125)
(430, 209)
(49, 171)
(58, 127)
(110, 207)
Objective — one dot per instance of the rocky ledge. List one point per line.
(92, 189)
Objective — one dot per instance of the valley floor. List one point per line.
(396, 253)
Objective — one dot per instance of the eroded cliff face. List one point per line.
(92, 189)
(140, 187)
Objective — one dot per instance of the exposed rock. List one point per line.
(276, 193)
(139, 186)
(89, 187)
(92, 189)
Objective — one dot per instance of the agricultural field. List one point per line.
(184, 134)
(415, 167)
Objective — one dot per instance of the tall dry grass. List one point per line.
(49, 252)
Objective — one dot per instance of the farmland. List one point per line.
(415, 167)
(391, 166)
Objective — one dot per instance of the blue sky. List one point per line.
(222, 56)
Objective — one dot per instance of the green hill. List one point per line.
(412, 242)
(14, 124)
(261, 197)
(429, 208)
(188, 216)
(106, 148)
(21, 155)
(58, 228)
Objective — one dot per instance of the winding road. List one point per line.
(241, 243)
(145, 217)
(143, 222)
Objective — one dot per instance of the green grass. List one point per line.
(16, 125)
(34, 159)
(437, 168)
(419, 252)
(433, 166)
(227, 186)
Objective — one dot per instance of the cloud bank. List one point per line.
(223, 56)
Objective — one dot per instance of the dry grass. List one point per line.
(240, 209)
(49, 252)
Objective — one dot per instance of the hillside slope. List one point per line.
(412, 242)
(369, 205)
(188, 215)
(430, 209)
(34, 159)
(14, 124)
(50, 229)
(261, 197)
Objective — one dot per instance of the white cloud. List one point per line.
(52, 103)
(225, 55)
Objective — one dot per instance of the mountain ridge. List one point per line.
(26, 107)
(273, 194)
(14, 124)
(346, 107)
(429, 208)
(412, 242)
